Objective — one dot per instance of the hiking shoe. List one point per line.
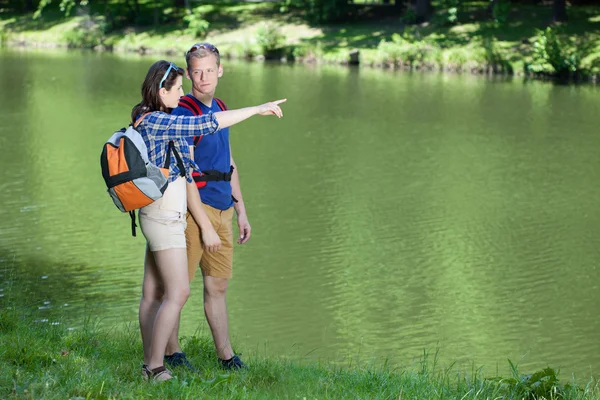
(179, 360)
(233, 363)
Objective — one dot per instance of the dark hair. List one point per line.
(150, 98)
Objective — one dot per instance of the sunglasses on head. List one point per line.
(164, 78)
(206, 46)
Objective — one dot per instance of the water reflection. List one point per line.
(391, 212)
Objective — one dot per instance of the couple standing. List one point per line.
(191, 225)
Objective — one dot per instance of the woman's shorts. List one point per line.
(163, 222)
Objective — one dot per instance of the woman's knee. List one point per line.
(179, 295)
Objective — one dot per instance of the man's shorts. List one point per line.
(217, 264)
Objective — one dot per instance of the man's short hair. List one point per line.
(201, 50)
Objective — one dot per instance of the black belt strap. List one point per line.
(212, 175)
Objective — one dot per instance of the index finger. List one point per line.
(279, 101)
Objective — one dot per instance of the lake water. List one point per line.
(392, 212)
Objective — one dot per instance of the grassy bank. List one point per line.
(520, 44)
(46, 359)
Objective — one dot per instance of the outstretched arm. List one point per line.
(232, 117)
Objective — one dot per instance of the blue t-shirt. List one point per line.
(212, 152)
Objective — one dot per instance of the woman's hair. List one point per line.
(152, 84)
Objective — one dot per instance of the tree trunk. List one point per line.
(559, 13)
(423, 10)
(183, 3)
(156, 15)
(28, 5)
(492, 8)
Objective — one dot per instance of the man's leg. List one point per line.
(216, 271)
(215, 309)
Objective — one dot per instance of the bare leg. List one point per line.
(172, 267)
(152, 292)
(215, 308)
(173, 343)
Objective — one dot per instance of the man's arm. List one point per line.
(210, 238)
(240, 208)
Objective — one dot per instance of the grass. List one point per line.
(51, 362)
(46, 359)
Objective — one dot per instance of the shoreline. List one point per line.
(48, 360)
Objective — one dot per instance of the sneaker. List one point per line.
(179, 360)
(233, 363)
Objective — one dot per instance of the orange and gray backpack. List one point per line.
(131, 179)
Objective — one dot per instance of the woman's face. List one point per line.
(170, 98)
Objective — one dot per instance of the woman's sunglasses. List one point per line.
(164, 78)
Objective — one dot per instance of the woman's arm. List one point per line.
(166, 126)
(228, 118)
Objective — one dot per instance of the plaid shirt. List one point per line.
(159, 128)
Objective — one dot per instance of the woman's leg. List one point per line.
(152, 293)
(172, 269)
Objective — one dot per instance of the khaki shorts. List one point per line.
(163, 222)
(217, 264)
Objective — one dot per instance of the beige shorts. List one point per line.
(163, 222)
(218, 264)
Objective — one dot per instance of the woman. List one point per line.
(166, 286)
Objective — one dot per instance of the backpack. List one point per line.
(131, 179)
(200, 178)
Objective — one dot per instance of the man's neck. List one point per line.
(204, 98)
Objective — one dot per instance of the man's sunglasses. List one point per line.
(206, 46)
(171, 66)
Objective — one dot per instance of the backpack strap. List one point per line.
(133, 224)
(189, 103)
(221, 105)
(180, 164)
(138, 121)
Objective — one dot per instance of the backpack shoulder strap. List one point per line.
(189, 103)
(221, 104)
(140, 119)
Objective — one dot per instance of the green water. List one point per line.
(391, 212)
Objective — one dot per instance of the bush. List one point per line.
(197, 25)
(270, 40)
(552, 55)
(88, 33)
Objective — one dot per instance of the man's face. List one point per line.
(204, 74)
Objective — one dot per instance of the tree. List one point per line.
(183, 3)
(559, 11)
(423, 10)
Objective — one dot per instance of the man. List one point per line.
(210, 242)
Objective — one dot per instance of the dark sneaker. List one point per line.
(179, 360)
(233, 363)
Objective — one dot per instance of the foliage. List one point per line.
(553, 55)
(541, 384)
(320, 11)
(197, 25)
(89, 33)
(500, 11)
(65, 6)
(269, 37)
(448, 13)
